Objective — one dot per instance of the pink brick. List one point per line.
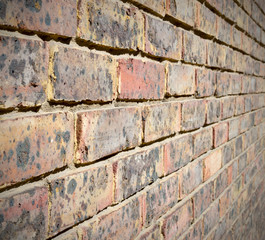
(212, 163)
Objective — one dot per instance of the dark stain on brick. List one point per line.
(23, 150)
(33, 5)
(63, 152)
(2, 10)
(38, 166)
(71, 186)
(17, 46)
(47, 19)
(59, 184)
(3, 57)
(16, 68)
(66, 136)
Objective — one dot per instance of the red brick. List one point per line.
(205, 82)
(106, 131)
(220, 183)
(24, 71)
(206, 20)
(124, 220)
(224, 202)
(239, 105)
(178, 221)
(33, 145)
(193, 114)
(213, 112)
(190, 177)
(159, 7)
(44, 16)
(224, 30)
(202, 199)
(141, 79)
(202, 141)
(161, 120)
(111, 23)
(210, 218)
(183, 11)
(194, 48)
(212, 163)
(177, 153)
(234, 128)
(135, 171)
(151, 233)
(78, 195)
(24, 213)
(227, 107)
(162, 38)
(160, 198)
(220, 134)
(194, 232)
(72, 80)
(181, 79)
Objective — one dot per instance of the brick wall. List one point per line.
(140, 119)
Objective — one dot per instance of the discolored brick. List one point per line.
(227, 107)
(220, 183)
(213, 113)
(210, 218)
(202, 141)
(205, 82)
(158, 6)
(220, 134)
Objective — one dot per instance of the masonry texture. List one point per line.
(132, 119)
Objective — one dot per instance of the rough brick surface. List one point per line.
(24, 68)
(205, 82)
(202, 141)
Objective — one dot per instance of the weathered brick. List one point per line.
(211, 218)
(202, 199)
(194, 232)
(205, 82)
(216, 54)
(242, 162)
(190, 177)
(206, 20)
(183, 11)
(104, 132)
(229, 9)
(194, 48)
(151, 233)
(193, 114)
(134, 172)
(159, 7)
(125, 220)
(234, 127)
(248, 45)
(220, 134)
(24, 213)
(239, 105)
(44, 16)
(227, 107)
(237, 39)
(212, 163)
(202, 141)
(160, 198)
(33, 145)
(162, 38)
(161, 120)
(78, 195)
(238, 145)
(228, 152)
(178, 221)
(140, 79)
(247, 103)
(72, 80)
(228, 83)
(224, 202)
(111, 23)
(220, 183)
(177, 153)
(224, 30)
(181, 79)
(24, 71)
(236, 188)
(213, 112)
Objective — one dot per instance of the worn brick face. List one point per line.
(205, 82)
(220, 134)
(24, 69)
(110, 130)
(33, 145)
(213, 111)
(202, 141)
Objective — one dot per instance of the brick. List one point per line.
(24, 213)
(177, 153)
(159, 7)
(206, 20)
(202, 141)
(125, 220)
(24, 71)
(183, 11)
(194, 48)
(228, 55)
(220, 183)
(213, 112)
(162, 38)
(236, 83)
(111, 23)
(151, 233)
(218, 5)
(211, 218)
(249, 84)
(43, 16)
(140, 79)
(228, 152)
(181, 79)
(227, 83)
(234, 128)
(216, 54)
(237, 39)
(248, 45)
(74, 81)
(242, 162)
(247, 103)
(232, 172)
(193, 114)
(134, 172)
(110, 130)
(224, 202)
(236, 188)
(202, 199)
(78, 195)
(238, 145)
(161, 120)
(220, 134)
(224, 30)
(160, 198)
(227, 107)
(229, 9)
(211, 164)
(33, 145)
(240, 108)
(205, 82)
(69, 235)
(188, 183)
(178, 221)
(194, 232)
